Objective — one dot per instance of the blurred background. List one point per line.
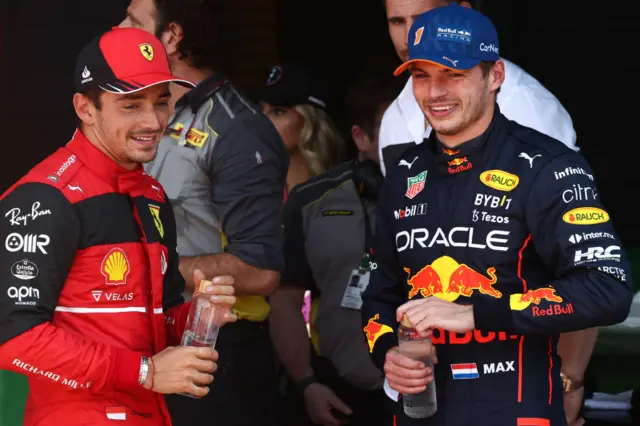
(584, 53)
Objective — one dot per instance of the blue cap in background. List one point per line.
(453, 36)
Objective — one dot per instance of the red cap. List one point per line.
(123, 60)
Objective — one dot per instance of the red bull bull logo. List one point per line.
(447, 279)
(373, 330)
(519, 302)
(458, 165)
(451, 151)
(535, 296)
(457, 161)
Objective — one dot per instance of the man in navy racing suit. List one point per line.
(503, 225)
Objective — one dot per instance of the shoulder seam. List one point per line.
(309, 192)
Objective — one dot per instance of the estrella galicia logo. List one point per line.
(24, 270)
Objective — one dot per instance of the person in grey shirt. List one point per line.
(223, 165)
(327, 226)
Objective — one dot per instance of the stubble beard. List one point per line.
(476, 108)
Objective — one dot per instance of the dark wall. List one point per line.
(339, 37)
(40, 40)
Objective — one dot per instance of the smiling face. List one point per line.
(128, 127)
(457, 103)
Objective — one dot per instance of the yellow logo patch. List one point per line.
(500, 180)
(195, 137)
(155, 213)
(147, 51)
(115, 267)
(586, 216)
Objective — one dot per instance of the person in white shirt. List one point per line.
(521, 98)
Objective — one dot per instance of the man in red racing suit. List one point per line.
(90, 287)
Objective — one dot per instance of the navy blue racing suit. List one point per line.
(511, 223)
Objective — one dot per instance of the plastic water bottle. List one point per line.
(203, 321)
(412, 345)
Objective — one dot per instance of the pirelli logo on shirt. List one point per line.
(194, 137)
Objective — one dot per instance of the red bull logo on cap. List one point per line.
(446, 279)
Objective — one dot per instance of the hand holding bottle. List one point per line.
(222, 293)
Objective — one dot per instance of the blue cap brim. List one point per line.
(449, 60)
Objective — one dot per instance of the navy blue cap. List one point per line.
(454, 36)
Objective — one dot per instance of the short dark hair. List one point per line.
(375, 88)
(204, 24)
(485, 67)
(94, 94)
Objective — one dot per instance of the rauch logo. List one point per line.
(497, 179)
(586, 216)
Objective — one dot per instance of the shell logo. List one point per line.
(115, 267)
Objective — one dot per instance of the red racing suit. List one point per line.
(88, 275)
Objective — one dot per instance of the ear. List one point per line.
(360, 138)
(85, 109)
(171, 38)
(496, 75)
(465, 4)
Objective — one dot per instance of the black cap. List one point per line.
(294, 84)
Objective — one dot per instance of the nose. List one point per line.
(407, 28)
(437, 88)
(154, 119)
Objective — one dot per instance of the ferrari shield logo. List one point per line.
(155, 213)
(415, 184)
(147, 51)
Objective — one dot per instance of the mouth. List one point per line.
(145, 140)
(442, 110)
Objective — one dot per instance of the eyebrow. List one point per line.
(444, 70)
(131, 97)
(139, 96)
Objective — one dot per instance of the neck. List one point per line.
(473, 131)
(298, 170)
(183, 70)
